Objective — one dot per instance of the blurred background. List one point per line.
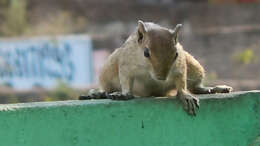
(53, 49)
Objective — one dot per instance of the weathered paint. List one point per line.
(222, 120)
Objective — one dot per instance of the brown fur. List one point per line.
(128, 70)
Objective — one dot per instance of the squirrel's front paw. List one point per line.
(93, 94)
(222, 89)
(190, 103)
(120, 96)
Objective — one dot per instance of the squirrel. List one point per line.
(153, 59)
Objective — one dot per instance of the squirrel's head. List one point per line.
(159, 47)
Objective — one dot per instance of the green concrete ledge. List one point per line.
(223, 120)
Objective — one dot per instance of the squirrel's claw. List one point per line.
(85, 97)
(93, 94)
(190, 103)
(221, 89)
(120, 96)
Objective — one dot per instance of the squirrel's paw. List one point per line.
(190, 103)
(120, 96)
(93, 94)
(221, 89)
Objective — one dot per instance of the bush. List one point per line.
(246, 57)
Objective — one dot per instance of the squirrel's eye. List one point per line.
(176, 55)
(146, 52)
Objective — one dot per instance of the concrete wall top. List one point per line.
(222, 120)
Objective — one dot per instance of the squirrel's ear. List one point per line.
(175, 32)
(141, 30)
(141, 26)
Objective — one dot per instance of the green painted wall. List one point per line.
(222, 120)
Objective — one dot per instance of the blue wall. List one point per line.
(44, 60)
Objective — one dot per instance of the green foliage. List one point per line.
(15, 19)
(246, 57)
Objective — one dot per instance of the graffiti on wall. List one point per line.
(43, 62)
(46, 61)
